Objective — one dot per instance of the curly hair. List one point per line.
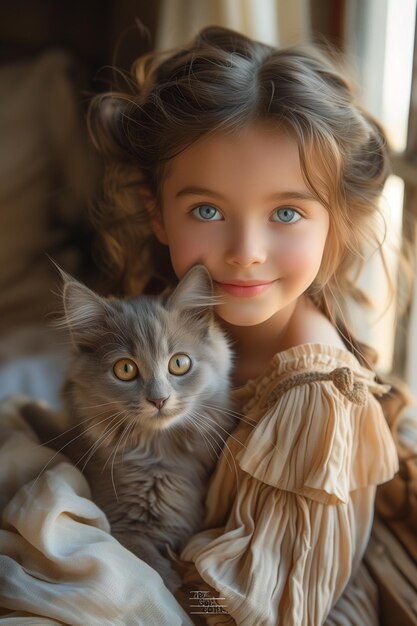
(220, 82)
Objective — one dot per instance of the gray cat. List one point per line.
(148, 391)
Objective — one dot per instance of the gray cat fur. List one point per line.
(151, 482)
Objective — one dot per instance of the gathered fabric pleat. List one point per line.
(290, 506)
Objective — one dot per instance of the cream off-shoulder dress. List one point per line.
(290, 506)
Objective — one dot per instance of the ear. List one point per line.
(194, 293)
(84, 312)
(158, 228)
(154, 213)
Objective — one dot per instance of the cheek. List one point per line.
(302, 254)
(185, 252)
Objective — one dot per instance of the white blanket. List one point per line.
(58, 562)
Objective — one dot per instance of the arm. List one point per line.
(300, 521)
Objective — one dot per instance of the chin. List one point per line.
(243, 318)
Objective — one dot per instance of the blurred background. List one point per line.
(54, 54)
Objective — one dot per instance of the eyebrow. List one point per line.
(280, 195)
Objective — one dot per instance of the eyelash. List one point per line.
(287, 208)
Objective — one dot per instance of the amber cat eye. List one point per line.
(125, 369)
(179, 364)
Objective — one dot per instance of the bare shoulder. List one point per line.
(314, 327)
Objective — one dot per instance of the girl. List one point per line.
(257, 163)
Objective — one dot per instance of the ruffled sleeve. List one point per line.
(317, 441)
(289, 518)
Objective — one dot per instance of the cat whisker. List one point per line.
(82, 422)
(71, 441)
(65, 432)
(131, 427)
(118, 346)
(230, 435)
(242, 444)
(58, 436)
(113, 428)
(96, 406)
(226, 447)
(201, 429)
(207, 442)
(202, 420)
(94, 447)
(68, 430)
(45, 467)
(104, 411)
(106, 359)
(265, 459)
(237, 414)
(125, 430)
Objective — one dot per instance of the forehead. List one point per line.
(259, 157)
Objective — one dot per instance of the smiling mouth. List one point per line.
(245, 290)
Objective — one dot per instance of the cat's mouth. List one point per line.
(164, 417)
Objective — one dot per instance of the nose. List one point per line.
(158, 402)
(246, 247)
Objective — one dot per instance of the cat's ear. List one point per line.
(194, 293)
(84, 312)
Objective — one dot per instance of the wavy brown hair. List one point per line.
(222, 81)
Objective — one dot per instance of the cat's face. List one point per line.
(148, 363)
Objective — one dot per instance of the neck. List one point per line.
(254, 346)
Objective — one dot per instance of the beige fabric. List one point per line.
(288, 518)
(290, 509)
(57, 559)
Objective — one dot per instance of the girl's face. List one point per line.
(238, 204)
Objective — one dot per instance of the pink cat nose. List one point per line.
(158, 402)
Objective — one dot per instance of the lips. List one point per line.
(245, 289)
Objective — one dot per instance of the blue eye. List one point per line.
(207, 213)
(286, 216)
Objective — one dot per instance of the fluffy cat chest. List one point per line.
(148, 496)
(166, 504)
